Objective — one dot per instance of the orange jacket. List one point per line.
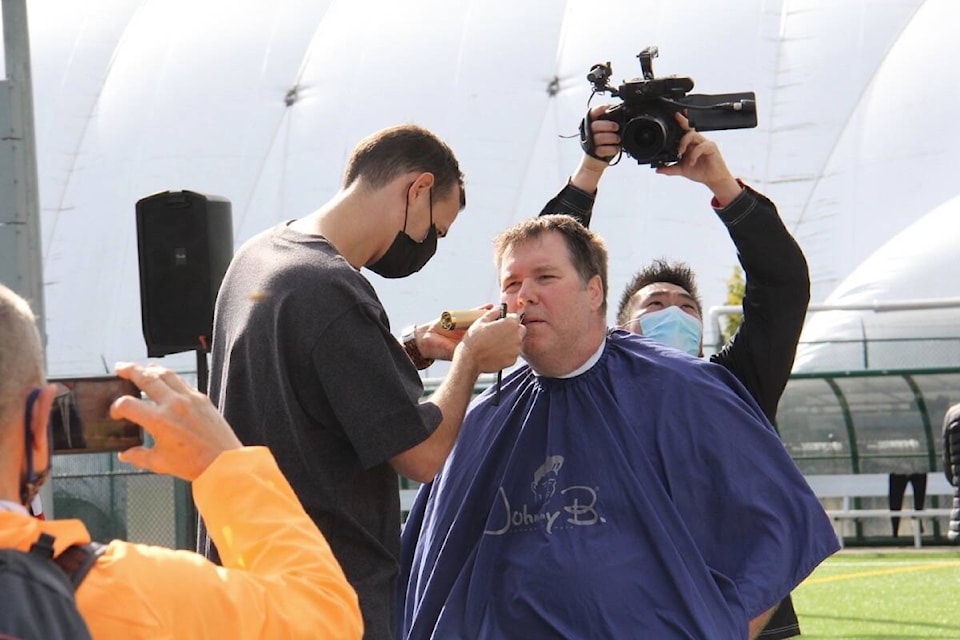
(279, 578)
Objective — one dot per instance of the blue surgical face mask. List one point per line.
(674, 328)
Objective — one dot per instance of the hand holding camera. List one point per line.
(701, 161)
(646, 121)
(602, 134)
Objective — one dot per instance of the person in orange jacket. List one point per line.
(279, 578)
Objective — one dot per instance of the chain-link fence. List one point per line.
(845, 422)
(115, 500)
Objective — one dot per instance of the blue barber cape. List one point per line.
(645, 498)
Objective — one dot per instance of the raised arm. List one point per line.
(777, 293)
(775, 302)
(576, 198)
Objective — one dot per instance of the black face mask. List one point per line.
(30, 483)
(406, 256)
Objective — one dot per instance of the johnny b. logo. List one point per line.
(577, 508)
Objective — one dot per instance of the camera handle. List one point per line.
(646, 61)
(586, 137)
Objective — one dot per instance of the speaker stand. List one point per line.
(204, 545)
(202, 371)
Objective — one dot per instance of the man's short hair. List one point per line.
(392, 152)
(21, 353)
(660, 270)
(588, 252)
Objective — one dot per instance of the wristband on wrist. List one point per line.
(409, 341)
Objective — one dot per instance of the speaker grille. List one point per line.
(185, 243)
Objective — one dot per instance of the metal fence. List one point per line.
(116, 500)
(861, 421)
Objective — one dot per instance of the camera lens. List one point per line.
(644, 138)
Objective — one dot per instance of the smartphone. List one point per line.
(80, 419)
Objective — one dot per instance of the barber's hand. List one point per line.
(437, 343)
(701, 161)
(493, 342)
(188, 431)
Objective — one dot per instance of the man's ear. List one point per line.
(595, 290)
(39, 420)
(421, 186)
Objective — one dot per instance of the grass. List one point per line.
(872, 595)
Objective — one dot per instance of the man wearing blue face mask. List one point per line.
(304, 361)
(669, 325)
(662, 302)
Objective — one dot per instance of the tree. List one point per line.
(736, 287)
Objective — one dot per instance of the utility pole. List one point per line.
(21, 257)
(21, 262)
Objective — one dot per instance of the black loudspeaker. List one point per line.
(185, 243)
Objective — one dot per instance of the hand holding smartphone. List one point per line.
(80, 419)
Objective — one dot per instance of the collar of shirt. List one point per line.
(7, 505)
(592, 360)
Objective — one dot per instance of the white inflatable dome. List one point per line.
(913, 284)
(260, 102)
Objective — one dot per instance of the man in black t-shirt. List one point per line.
(304, 360)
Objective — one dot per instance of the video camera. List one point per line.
(649, 132)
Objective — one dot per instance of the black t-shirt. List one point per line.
(304, 363)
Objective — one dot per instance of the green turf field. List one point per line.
(872, 595)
